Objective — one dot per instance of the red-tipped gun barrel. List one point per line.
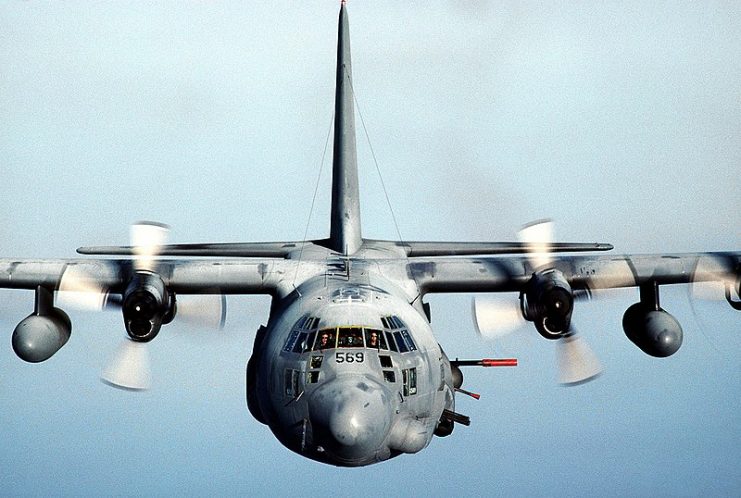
(486, 362)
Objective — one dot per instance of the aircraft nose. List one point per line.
(350, 417)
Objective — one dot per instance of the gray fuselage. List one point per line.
(347, 371)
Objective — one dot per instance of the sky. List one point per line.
(619, 120)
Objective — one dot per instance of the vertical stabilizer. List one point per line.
(344, 234)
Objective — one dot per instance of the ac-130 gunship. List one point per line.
(347, 370)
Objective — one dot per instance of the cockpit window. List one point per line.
(304, 342)
(392, 343)
(309, 341)
(374, 339)
(325, 339)
(408, 340)
(305, 337)
(291, 340)
(302, 336)
(350, 337)
(403, 348)
(398, 335)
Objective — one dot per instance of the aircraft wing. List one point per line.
(512, 273)
(208, 276)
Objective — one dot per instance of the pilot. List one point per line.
(373, 340)
(324, 340)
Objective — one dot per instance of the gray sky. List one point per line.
(620, 120)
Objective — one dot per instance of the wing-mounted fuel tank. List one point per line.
(650, 327)
(42, 333)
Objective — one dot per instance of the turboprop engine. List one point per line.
(147, 305)
(549, 303)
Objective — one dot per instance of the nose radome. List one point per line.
(350, 417)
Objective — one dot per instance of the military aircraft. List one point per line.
(347, 370)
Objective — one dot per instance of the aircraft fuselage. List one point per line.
(347, 372)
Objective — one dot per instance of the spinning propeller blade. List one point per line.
(538, 236)
(494, 318)
(207, 311)
(129, 368)
(576, 361)
(80, 290)
(147, 239)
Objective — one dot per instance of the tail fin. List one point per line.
(344, 236)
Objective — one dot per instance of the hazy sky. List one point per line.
(620, 120)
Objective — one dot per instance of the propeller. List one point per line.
(204, 311)
(147, 239)
(494, 318)
(80, 290)
(129, 368)
(577, 363)
(538, 236)
(713, 282)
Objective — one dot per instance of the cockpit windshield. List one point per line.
(326, 339)
(374, 339)
(305, 337)
(350, 337)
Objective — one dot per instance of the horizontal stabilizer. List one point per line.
(283, 249)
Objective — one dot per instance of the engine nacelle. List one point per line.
(550, 303)
(146, 306)
(38, 336)
(656, 332)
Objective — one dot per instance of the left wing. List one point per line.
(512, 273)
